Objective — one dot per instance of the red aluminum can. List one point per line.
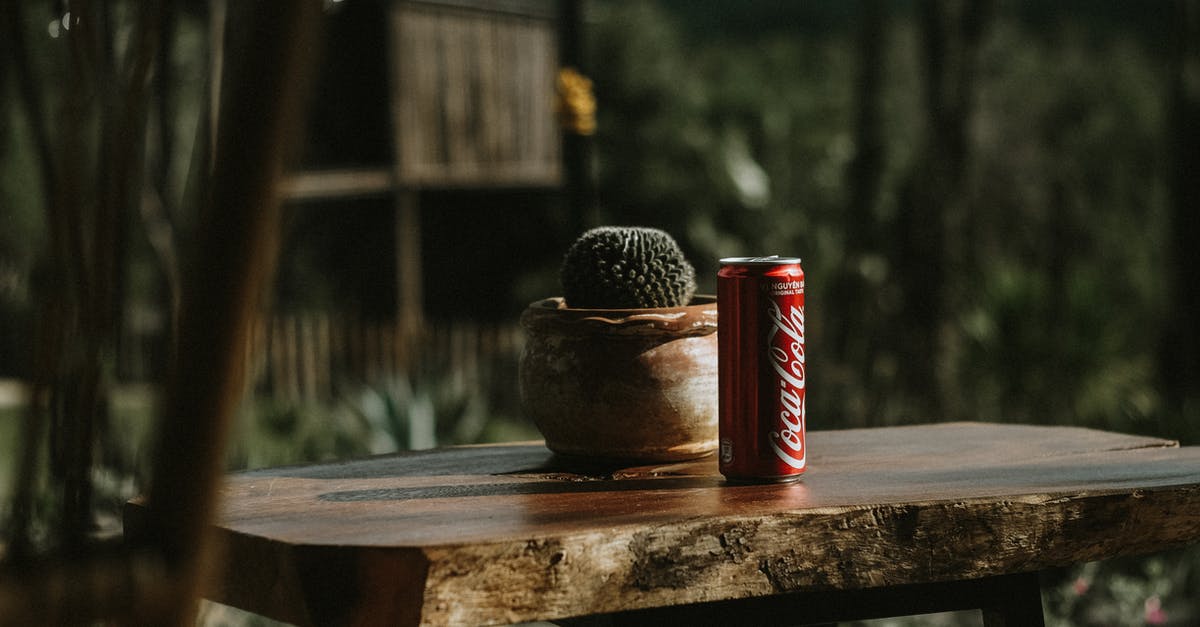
(761, 368)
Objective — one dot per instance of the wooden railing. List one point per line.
(306, 357)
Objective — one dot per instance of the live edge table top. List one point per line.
(508, 533)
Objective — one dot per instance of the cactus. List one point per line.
(626, 267)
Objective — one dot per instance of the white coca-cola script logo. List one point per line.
(787, 359)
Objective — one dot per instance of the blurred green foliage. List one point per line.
(739, 141)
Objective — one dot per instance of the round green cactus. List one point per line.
(626, 267)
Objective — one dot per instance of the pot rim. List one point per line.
(699, 317)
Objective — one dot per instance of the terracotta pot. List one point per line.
(627, 384)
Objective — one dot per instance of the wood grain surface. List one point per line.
(508, 533)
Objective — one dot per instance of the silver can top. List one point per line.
(770, 260)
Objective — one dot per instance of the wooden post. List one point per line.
(1018, 603)
(260, 118)
(409, 305)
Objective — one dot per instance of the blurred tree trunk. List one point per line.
(263, 100)
(90, 155)
(853, 331)
(932, 253)
(1180, 356)
(157, 209)
(578, 186)
(16, 56)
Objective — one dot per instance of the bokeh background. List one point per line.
(996, 204)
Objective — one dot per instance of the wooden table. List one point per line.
(886, 521)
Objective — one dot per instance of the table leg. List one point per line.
(1018, 602)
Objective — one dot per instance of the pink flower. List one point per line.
(1081, 586)
(1154, 611)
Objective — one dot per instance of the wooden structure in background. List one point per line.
(471, 95)
(309, 357)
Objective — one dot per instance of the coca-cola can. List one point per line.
(761, 368)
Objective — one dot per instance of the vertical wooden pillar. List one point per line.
(409, 289)
(260, 120)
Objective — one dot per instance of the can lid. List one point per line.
(770, 260)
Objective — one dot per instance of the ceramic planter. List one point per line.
(627, 384)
